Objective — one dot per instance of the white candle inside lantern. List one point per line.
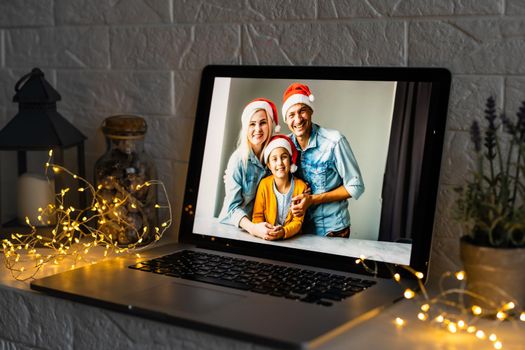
(35, 191)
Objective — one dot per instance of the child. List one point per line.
(275, 192)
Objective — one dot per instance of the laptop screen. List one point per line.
(376, 133)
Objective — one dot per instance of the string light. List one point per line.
(447, 309)
(452, 327)
(76, 232)
(409, 293)
(480, 334)
(476, 310)
(460, 275)
(399, 321)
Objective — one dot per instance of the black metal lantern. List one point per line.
(39, 127)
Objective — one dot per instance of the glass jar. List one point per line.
(122, 174)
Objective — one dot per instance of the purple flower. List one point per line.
(490, 133)
(520, 124)
(475, 136)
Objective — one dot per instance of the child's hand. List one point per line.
(277, 232)
(261, 229)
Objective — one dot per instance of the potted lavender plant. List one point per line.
(491, 207)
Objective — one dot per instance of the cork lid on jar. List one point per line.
(124, 126)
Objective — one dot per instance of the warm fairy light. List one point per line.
(460, 275)
(75, 232)
(399, 321)
(476, 310)
(409, 293)
(480, 334)
(452, 327)
(450, 303)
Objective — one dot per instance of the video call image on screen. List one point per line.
(362, 111)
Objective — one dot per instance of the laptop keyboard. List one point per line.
(275, 280)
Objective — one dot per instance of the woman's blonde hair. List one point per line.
(243, 144)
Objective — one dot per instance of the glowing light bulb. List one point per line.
(522, 316)
(476, 310)
(452, 327)
(461, 324)
(480, 334)
(460, 275)
(409, 293)
(501, 315)
(397, 277)
(440, 319)
(425, 307)
(357, 261)
(493, 337)
(422, 316)
(399, 321)
(471, 329)
(419, 275)
(498, 345)
(509, 306)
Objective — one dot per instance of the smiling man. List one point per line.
(326, 162)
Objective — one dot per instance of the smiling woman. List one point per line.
(245, 166)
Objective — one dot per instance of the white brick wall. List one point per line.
(145, 57)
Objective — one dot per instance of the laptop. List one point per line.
(303, 291)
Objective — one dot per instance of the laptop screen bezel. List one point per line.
(424, 215)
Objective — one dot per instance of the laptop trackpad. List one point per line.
(183, 297)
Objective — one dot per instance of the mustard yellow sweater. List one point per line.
(265, 206)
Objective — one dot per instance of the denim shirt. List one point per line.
(325, 164)
(240, 184)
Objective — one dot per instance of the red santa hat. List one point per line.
(297, 93)
(266, 105)
(286, 143)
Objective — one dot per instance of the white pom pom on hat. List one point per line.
(297, 93)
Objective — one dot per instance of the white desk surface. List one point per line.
(396, 253)
(32, 320)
